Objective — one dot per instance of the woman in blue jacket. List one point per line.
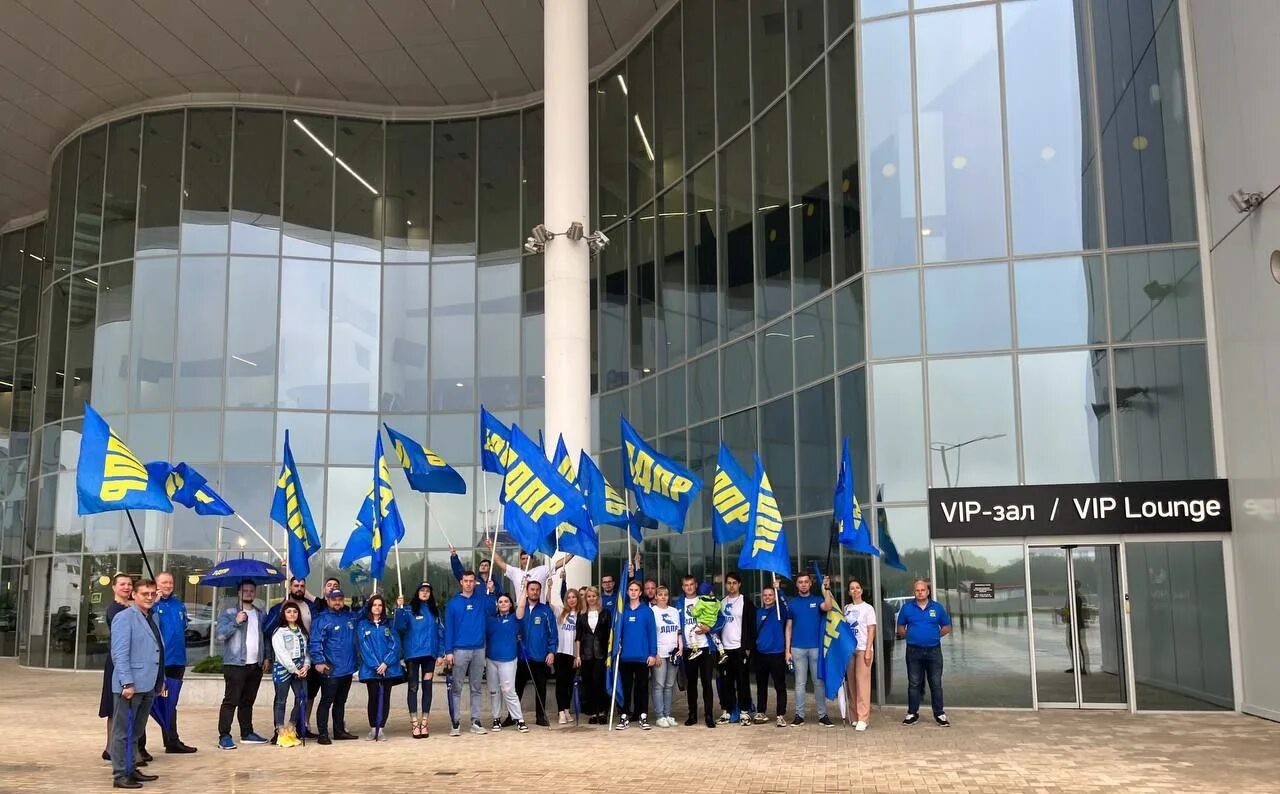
(422, 635)
(639, 639)
(380, 667)
(501, 630)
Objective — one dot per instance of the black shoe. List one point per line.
(942, 720)
(311, 734)
(344, 736)
(139, 763)
(143, 777)
(106, 756)
(541, 722)
(799, 720)
(693, 720)
(592, 720)
(508, 722)
(911, 719)
(274, 737)
(125, 782)
(825, 721)
(324, 739)
(145, 755)
(179, 748)
(710, 721)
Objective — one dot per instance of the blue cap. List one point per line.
(333, 593)
(705, 588)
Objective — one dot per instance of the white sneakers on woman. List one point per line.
(860, 726)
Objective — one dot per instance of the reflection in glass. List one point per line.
(644, 311)
(88, 219)
(1067, 429)
(206, 183)
(737, 375)
(81, 327)
(533, 121)
(351, 439)
(405, 333)
(816, 444)
(202, 291)
(772, 227)
(852, 387)
(810, 203)
(813, 343)
(671, 389)
(248, 436)
(775, 360)
(967, 308)
(737, 210)
(190, 530)
(1156, 296)
(895, 314)
(155, 283)
(110, 339)
(304, 334)
(407, 215)
(971, 425)
(1163, 424)
(890, 171)
(611, 101)
(251, 347)
(805, 37)
(851, 330)
(699, 80)
(668, 93)
(159, 186)
(453, 335)
(615, 339)
(498, 286)
(872, 8)
(306, 436)
(908, 529)
(308, 186)
(704, 388)
(255, 191)
(499, 188)
(455, 187)
(354, 358)
(1060, 301)
(120, 194)
(63, 198)
(842, 107)
(733, 69)
(672, 295)
(778, 451)
(768, 51)
(197, 436)
(897, 396)
(703, 298)
(640, 125)
(358, 202)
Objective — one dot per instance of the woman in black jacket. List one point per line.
(594, 623)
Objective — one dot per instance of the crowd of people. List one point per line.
(501, 634)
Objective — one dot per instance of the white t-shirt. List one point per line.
(692, 639)
(731, 632)
(668, 620)
(593, 618)
(568, 630)
(860, 616)
(252, 638)
(520, 576)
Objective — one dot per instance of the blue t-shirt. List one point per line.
(807, 621)
(924, 624)
(501, 634)
(770, 636)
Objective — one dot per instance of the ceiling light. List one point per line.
(408, 223)
(89, 281)
(622, 83)
(1047, 153)
(336, 158)
(959, 162)
(459, 385)
(646, 370)
(926, 232)
(37, 258)
(6, 383)
(644, 138)
(244, 360)
(889, 169)
(1140, 142)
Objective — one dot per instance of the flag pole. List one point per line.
(617, 629)
(399, 575)
(259, 536)
(431, 516)
(146, 562)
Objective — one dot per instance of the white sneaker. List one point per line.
(724, 717)
(563, 719)
(668, 722)
(861, 726)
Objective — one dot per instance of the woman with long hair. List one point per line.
(501, 630)
(380, 667)
(594, 624)
(568, 659)
(292, 664)
(422, 636)
(861, 616)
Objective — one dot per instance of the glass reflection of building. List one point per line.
(963, 237)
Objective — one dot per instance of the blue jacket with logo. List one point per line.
(333, 641)
(420, 634)
(464, 621)
(501, 634)
(537, 632)
(170, 614)
(379, 644)
(639, 633)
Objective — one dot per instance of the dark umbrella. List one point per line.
(452, 698)
(231, 573)
(577, 699)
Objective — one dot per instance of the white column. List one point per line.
(567, 343)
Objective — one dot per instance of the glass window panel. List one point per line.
(155, 283)
(704, 449)
(972, 440)
(159, 184)
(1146, 150)
(81, 330)
(672, 294)
(65, 177)
(251, 347)
(612, 146)
(453, 437)
(102, 532)
(255, 192)
(668, 93)
(1156, 296)
(842, 106)
(453, 336)
(810, 206)
(740, 431)
(306, 436)
(455, 187)
(197, 437)
(24, 376)
(640, 130)
(1060, 301)
(778, 451)
(737, 211)
(1163, 421)
(615, 344)
(1067, 430)
(406, 320)
(531, 162)
(499, 335)
(704, 299)
(358, 202)
(813, 342)
(738, 376)
(202, 291)
(308, 186)
(250, 489)
(532, 346)
(961, 162)
(873, 8)
(768, 51)
(304, 335)
(671, 393)
(704, 383)
(198, 600)
(775, 360)
(853, 426)
(353, 367)
(120, 195)
(612, 406)
(643, 414)
(699, 80)
(206, 186)
(895, 314)
(63, 609)
(32, 267)
(351, 440)
(94, 646)
(840, 14)
(248, 436)
(7, 353)
(88, 218)
(407, 214)
(967, 308)
(816, 436)
(148, 435)
(34, 601)
(897, 396)
(111, 338)
(805, 36)
(908, 530)
(772, 227)
(890, 172)
(644, 313)
(1052, 161)
(68, 526)
(733, 67)
(499, 198)
(11, 256)
(851, 335)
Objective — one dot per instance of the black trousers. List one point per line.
(594, 699)
(635, 688)
(735, 682)
(333, 694)
(695, 671)
(770, 666)
(535, 670)
(379, 701)
(241, 690)
(564, 681)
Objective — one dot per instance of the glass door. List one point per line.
(1076, 604)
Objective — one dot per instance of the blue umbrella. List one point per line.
(164, 709)
(230, 573)
(454, 705)
(577, 699)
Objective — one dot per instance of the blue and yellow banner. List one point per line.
(426, 471)
(289, 509)
(613, 659)
(852, 530)
(891, 556)
(537, 499)
(731, 498)
(663, 488)
(766, 546)
(189, 488)
(604, 504)
(378, 524)
(838, 646)
(562, 463)
(110, 477)
(495, 437)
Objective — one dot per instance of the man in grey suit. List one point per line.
(137, 654)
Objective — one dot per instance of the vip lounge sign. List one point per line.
(1083, 509)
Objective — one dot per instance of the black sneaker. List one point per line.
(644, 722)
(911, 719)
(275, 737)
(497, 726)
(324, 739)
(508, 722)
(541, 722)
(825, 721)
(799, 720)
(623, 723)
(693, 720)
(942, 720)
(344, 736)
(520, 726)
(710, 721)
(592, 720)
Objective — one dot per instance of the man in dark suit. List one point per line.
(137, 656)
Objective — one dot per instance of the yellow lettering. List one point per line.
(566, 469)
(549, 506)
(122, 472)
(402, 455)
(433, 458)
(515, 479)
(768, 520)
(833, 629)
(204, 498)
(566, 528)
(729, 502)
(531, 494)
(614, 504)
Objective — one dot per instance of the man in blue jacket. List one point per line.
(137, 656)
(464, 631)
(244, 660)
(537, 649)
(333, 655)
(171, 616)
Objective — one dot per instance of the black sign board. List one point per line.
(982, 590)
(1082, 509)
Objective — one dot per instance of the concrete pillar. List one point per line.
(567, 343)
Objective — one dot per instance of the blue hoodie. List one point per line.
(537, 632)
(464, 621)
(501, 633)
(639, 633)
(379, 644)
(421, 634)
(770, 631)
(482, 582)
(333, 641)
(171, 616)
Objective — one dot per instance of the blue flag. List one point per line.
(891, 556)
(854, 533)
(538, 500)
(110, 477)
(425, 470)
(731, 496)
(604, 504)
(766, 546)
(378, 524)
(494, 439)
(189, 488)
(575, 537)
(562, 462)
(289, 509)
(639, 521)
(613, 659)
(838, 646)
(663, 488)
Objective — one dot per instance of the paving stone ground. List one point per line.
(52, 740)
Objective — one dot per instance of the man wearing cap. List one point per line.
(333, 655)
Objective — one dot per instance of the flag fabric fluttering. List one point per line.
(639, 521)
(604, 504)
(538, 500)
(838, 646)
(731, 499)
(891, 556)
(577, 538)
(495, 437)
(562, 462)
(378, 524)
(189, 488)
(663, 488)
(110, 477)
(766, 542)
(426, 471)
(613, 659)
(289, 509)
(854, 534)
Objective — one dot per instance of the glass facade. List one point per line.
(962, 235)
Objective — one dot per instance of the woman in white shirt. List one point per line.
(567, 660)
(669, 644)
(861, 617)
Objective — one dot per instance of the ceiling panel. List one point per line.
(357, 24)
(87, 32)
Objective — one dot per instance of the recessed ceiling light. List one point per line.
(959, 162)
(926, 232)
(889, 169)
(1047, 153)
(1140, 142)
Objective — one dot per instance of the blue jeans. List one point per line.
(299, 687)
(468, 662)
(806, 663)
(664, 681)
(924, 661)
